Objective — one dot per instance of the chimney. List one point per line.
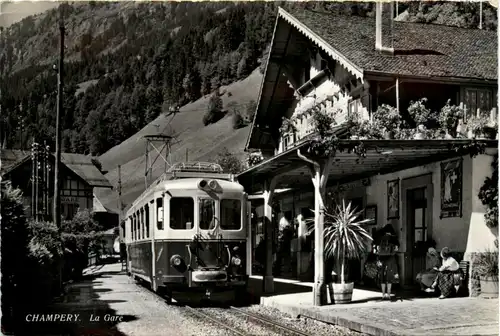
(384, 16)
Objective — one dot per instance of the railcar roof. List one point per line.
(187, 184)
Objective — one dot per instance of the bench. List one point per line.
(461, 279)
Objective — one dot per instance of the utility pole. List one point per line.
(57, 179)
(480, 14)
(47, 182)
(33, 179)
(120, 189)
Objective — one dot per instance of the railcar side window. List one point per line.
(139, 224)
(129, 227)
(159, 213)
(181, 213)
(230, 214)
(207, 213)
(146, 215)
(143, 226)
(134, 225)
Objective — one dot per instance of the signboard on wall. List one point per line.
(69, 200)
(451, 188)
(349, 186)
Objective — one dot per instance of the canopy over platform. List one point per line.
(382, 157)
(353, 160)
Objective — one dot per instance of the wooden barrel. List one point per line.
(342, 293)
(489, 287)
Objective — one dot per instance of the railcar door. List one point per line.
(248, 240)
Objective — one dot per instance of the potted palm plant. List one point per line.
(345, 239)
(485, 266)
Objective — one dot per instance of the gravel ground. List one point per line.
(200, 326)
(145, 313)
(303, 324)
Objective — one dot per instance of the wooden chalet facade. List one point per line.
(341, 65)
(79, 178)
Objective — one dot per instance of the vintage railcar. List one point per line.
(189, 231)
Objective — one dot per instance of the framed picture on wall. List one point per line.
(451, 188)
(393, 199)
(371, 213)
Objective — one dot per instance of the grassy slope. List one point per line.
(203, 143)
(13, 12)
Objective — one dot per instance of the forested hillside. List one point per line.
(127, 62)
(143, 57)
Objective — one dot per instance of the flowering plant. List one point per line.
(450, 116)
(287, 126)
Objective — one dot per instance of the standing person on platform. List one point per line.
(385, 249)
(285, 236)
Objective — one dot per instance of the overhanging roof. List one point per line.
(423, 51)
(382, 157)
(430, 50)
(79, 164)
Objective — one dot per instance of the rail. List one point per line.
(287, 329)
(256, 317)
(206, 316)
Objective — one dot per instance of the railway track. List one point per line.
(206, 316)
(276, 327)
(264, 322)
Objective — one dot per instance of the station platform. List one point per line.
(369, 315)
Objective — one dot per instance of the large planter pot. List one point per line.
(342, 293)
(389, 135)
(489, 286)
(490, 133)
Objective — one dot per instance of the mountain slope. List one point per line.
(135, 59)
(203, 143)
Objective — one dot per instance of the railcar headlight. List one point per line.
(176, 260)
(236, 261)
(212, 184)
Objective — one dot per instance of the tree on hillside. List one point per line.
(229, 162)
(214, 112)
(460, 14)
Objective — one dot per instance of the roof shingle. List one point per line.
(463, 53)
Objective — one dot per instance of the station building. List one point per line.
(427, 189)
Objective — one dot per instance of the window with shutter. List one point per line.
(353, 107)
(478, 100)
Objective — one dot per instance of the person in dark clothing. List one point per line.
(123, 255)
(386, 247)
(285, 236)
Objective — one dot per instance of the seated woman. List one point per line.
(426, 278)
(445, 276)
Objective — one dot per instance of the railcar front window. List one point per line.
(207, 213)
(230, 214)
(181, 213)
